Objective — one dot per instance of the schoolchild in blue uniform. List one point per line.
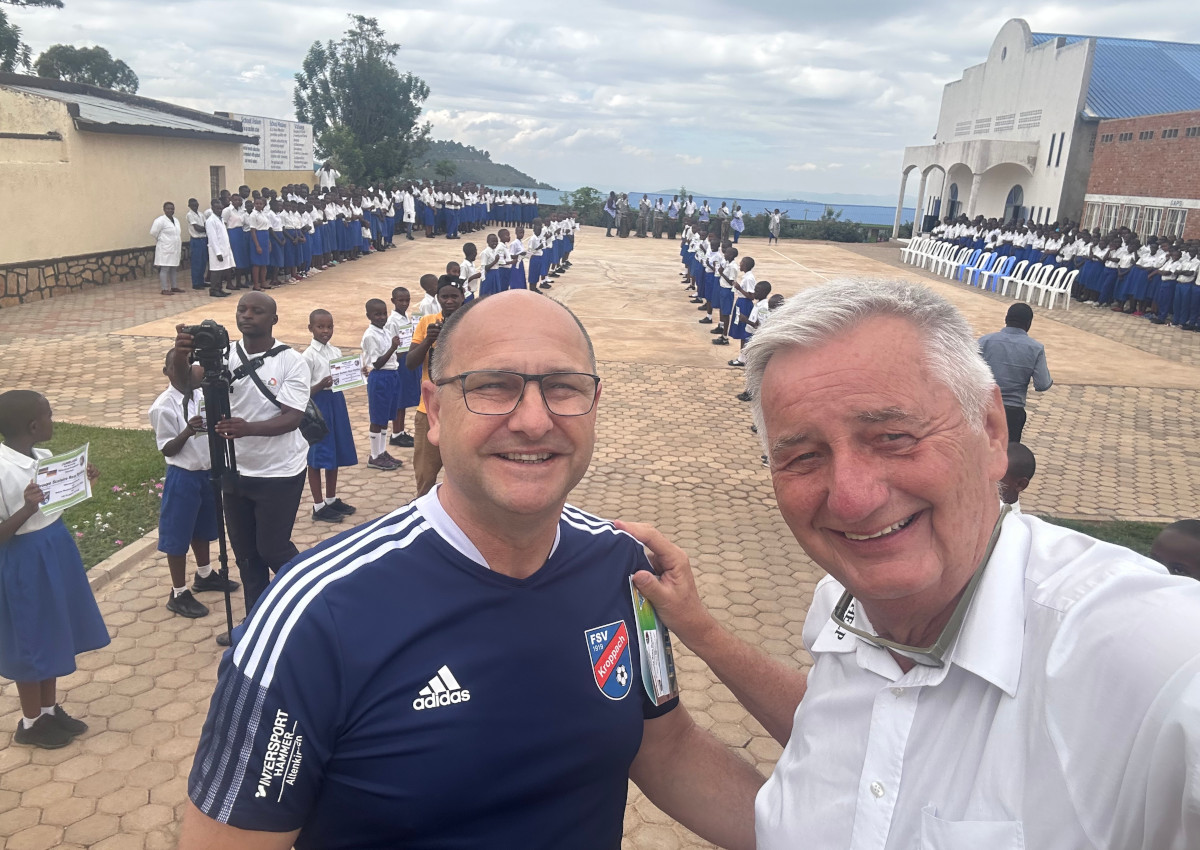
(408, 393)
(379, 360)
(48, 614)
(489, 262)
(464, 672)
(187, 516)
(516, 255)
(336, 449)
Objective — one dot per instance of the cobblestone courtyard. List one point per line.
(1115, 438)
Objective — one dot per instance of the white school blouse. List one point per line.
(16, 471)
(317, 356)
(168, 420)
(375, 343)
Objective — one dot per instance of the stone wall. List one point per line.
(21, 283)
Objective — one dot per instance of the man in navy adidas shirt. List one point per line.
(462, 672)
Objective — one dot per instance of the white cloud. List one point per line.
(804, 166)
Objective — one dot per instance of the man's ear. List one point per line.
(433, 409)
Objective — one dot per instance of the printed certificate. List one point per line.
(347, 373)
(63, 479)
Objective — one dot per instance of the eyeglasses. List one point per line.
(934, 655)
(497, 393)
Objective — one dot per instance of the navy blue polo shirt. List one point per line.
(391, 691)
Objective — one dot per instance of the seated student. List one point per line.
(409, 382)
(1021, 466)
(336, 449)
(1177, 548)
(379, 346)
(188, 515)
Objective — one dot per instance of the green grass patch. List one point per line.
(1137, 536)
(125, 499)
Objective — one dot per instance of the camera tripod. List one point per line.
(223, 472)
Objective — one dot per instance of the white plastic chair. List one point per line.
(936, 252)
(1036, 282)
(914, 247)
(1019, 274)
(945, 264)
(967, 273)
(1062, 288)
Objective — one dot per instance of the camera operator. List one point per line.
(271, 453)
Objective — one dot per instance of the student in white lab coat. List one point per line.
(168, 248)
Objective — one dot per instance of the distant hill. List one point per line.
(471, 165)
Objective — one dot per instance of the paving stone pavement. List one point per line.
(673, 449)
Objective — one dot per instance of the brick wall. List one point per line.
(1156, 168)
(24, 282)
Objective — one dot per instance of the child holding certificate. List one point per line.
(337, 448)
(48, 614)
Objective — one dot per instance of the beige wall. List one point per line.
(256, 179)
(109, 187)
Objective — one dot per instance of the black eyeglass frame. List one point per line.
(462, 382)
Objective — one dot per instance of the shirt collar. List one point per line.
(17, 459)
(990, 644)
(431, 508)
(1008, 329)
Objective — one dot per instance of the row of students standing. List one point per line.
(723, 282)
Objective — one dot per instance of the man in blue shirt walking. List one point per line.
(1015, 359)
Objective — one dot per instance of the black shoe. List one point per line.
(696, 300)
(218, 293)
(721, 340)
(186, 605)
(707, 320)
(544, 285)
(404, 440)
(223, 639)
(753, 429)
(716, 330)
(743, 396)
(735, 363)
(213, 581)
(341, 507)
(1158, 321)
(67, 723)
(326, 514)
(44, 733)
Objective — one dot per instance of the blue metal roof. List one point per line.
(1132, 77)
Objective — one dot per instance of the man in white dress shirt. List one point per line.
(981, 679)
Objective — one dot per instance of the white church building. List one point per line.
(1015, 135)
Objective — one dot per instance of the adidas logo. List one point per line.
(443, 689)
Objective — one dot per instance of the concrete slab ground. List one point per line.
(1114, 438)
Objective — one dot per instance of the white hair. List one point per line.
(817, 315)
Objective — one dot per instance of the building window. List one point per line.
(1106, 138)
(1152, 220)
(1004, 123)
(1012, 204)
(1145, 135)
(1050, 156)
(1110, 217)
(1176, 218)
(1192, 132)
(1171, 134)
(1092, 142)
(1029, 120)
(216, 180)
(1130, 214)
(1062, 140)
(1125, 137)
(1091, 216)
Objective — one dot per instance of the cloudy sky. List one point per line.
(767, 98)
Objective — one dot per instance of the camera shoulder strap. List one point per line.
(250, 366)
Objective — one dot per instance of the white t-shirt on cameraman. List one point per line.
(286, 374)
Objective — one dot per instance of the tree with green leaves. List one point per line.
(586, 201)
(14, 53)
(364, 112)
(445, 169)
(93, 66)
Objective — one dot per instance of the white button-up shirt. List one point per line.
(1067, 715)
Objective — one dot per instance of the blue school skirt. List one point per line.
(315, 243)
(409, 394)
(337, 448)
(741, 312)
(263, 239)
(239, 245)
(1134, 284)
(516, 277)
(277, 251)
(1106, 285)
(291, 256)
(383, 386)
(48, 613)
(188, 510)
(535, 269)
(491, 283)
(724, 302)
(503, 277)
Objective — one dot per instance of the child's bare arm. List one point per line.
(33, 499)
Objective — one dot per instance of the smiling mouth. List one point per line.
(521, 457)
(891, 529)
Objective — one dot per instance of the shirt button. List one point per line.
(897, 692)
(877, 789)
